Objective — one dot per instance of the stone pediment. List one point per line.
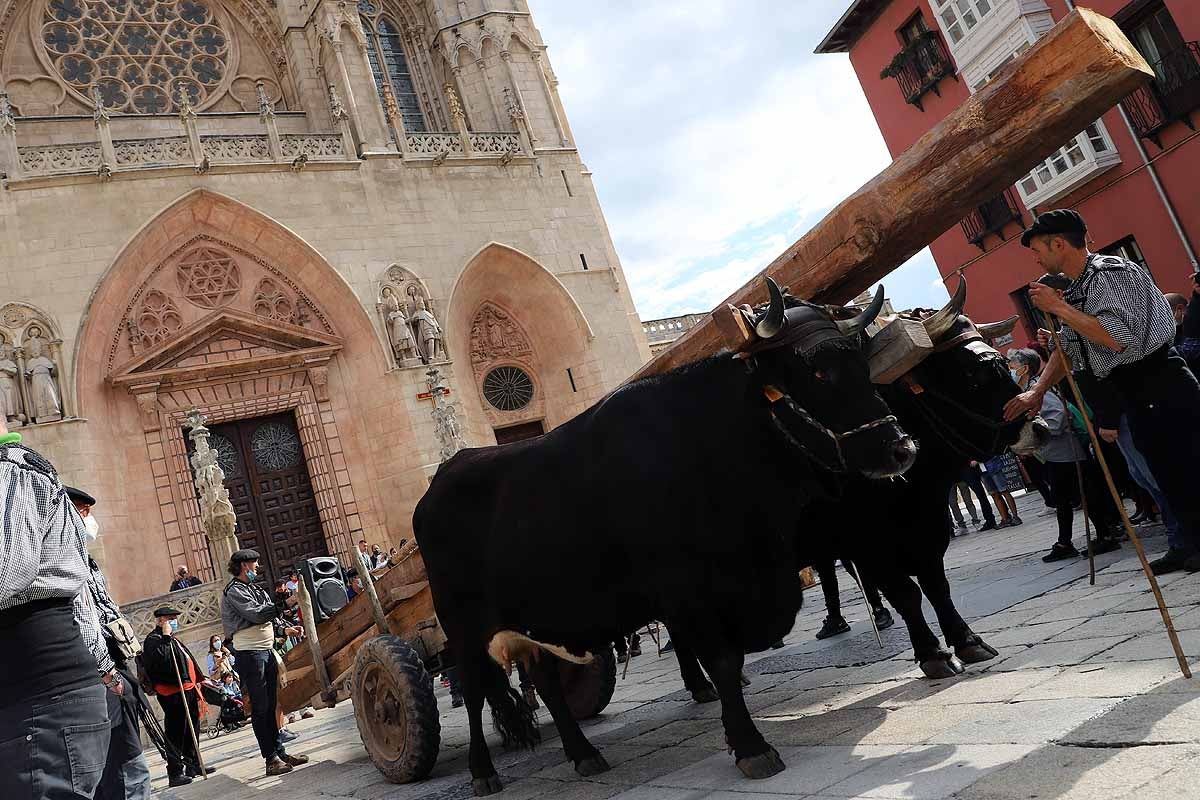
(227, 342)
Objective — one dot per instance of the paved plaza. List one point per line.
(1085, 700)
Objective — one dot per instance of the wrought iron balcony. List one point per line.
(991, 218)
(1172, 95)
(919, 67)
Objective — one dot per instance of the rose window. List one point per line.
(275, 446)
(142, 55)
(508, 388)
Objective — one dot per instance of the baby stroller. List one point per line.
(232, 715)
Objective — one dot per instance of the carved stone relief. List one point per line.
(208, 277)
(273, 302)
(31, 377)
(157, 320)
(413, 329)
(496, 336)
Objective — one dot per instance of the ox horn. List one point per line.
(940, 323)
(770, 325)
(994, 330)
(853, 327)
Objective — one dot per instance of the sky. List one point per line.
(716, 137)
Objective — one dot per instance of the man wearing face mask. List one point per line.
(126, 776)
(248, 613)
(162, 655)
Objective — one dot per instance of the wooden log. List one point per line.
(1067, 80)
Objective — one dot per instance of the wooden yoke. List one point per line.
(1067, 80)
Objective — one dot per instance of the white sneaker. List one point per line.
(1047, 512)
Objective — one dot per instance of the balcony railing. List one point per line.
(1172, 95)
(919, 67)
(991, 218)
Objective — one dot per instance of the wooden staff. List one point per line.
(1116, 496)
(1087, 523)
(308, 619)
(187, 710)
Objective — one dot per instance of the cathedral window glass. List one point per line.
(143, 56)
(389, 65)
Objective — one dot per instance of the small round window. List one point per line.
(508, 388)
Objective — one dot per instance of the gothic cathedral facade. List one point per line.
(285, 214)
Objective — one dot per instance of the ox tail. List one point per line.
(512, 717)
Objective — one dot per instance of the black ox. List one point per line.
(952, 403)
(674, 498)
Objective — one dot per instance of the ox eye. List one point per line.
(821, 375)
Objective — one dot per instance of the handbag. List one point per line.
(123, 639)
(213, 694)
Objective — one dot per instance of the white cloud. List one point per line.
(715, 135)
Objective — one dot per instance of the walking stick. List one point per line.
(1087, 524)
(867, 603)
(187, 711)
(1116, 496)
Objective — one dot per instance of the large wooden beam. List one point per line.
(1067, 80)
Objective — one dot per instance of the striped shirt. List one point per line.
(1127, 303)
(42, 553)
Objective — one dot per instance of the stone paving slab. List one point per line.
(1084, 701)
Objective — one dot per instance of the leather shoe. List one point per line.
(178, 780)
(194, 772)
(1171, 561)
(277, 766)
(1192, 563)
(293, 761)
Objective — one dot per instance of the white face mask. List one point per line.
(91, 528)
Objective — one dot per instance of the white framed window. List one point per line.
(1076, 162)
(959, 17)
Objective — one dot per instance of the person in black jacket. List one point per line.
(1187, 330)
(162, 655)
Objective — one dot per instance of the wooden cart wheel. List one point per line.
(395, 709)
(588, 688)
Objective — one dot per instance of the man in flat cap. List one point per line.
(176, 676)
(1117, 329)
(52, 642)
(126, 775)
(248, 615)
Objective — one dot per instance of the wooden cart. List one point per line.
(385, 669)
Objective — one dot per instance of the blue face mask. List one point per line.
(251, 575)
(174, 623)
(1013, 372)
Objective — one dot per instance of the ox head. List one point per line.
(816, 377)
(963, 385)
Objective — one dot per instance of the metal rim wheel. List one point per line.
(588, 688)
(214, 730)
(395, 709)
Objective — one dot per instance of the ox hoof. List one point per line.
(976, 652)
(588, 767)
(705, 694)
(756, 768)
(943, 665)
(485, 786)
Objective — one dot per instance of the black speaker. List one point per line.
(323, 578)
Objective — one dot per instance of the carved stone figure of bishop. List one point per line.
(10, 392)
(44, 402)
(429, 333)
(399, 332)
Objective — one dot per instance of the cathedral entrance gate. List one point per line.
(271, 490)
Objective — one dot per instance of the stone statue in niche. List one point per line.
(10, 391)
(429, 333)
(399, 331)
(44, 402)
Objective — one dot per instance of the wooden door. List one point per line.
(519, 433)
(269, 487)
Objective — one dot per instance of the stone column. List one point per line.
(445, 419)
(10, 157)
(460, 120)
(101, 116)
(552, 100)
(216, 512)
(506, 57)
(266, 114)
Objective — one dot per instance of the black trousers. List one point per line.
(1038, 473)
(1161, 399)
(827, 571)
(1064, 482)
(126, 776)
(260, 680)
(175, 726)
(974, 479)
(52, 747)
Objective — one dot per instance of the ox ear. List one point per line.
(940, 323)
(994, 330)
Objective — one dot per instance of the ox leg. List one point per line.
(694, 680)
(588, 760)
(755, 758)
(967, 644)
(905, 597)
(484, 780)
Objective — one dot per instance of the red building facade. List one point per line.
(1134, 175)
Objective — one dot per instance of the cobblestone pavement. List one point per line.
(1084, 700)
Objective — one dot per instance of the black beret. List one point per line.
(79, 496)
(243, 555)
(1061, 220)
(167, 611)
